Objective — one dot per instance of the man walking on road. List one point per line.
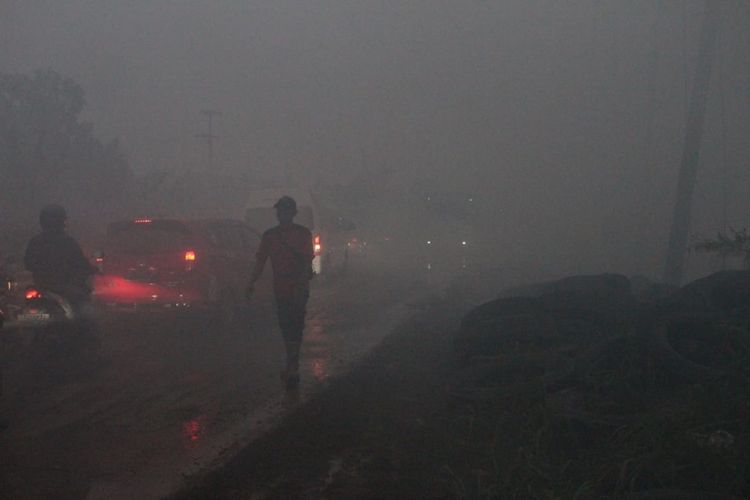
(290, 248)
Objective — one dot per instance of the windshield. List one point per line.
(144, 239)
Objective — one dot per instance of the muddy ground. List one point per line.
(378, 432)
(626, 423)
(161, 397)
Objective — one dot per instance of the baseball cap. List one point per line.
(286, 202)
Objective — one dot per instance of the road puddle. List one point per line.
(177, 398)
(317, 349)
(193, 430)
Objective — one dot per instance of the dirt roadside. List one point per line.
(616, 409)
(375, 433)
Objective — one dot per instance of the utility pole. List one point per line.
(209, 136)
(678, 235)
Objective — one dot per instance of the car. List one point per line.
(163, 263)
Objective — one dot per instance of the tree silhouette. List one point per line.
(733, 244)
(48, 154)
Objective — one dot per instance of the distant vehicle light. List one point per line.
(317, 247)
(463, 243)
(429, 242)
(33, 293)
(142, 221)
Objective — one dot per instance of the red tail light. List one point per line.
(317, 247)
(98, 260)
(33, 293)
(190, 257)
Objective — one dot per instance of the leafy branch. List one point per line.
(734, 244)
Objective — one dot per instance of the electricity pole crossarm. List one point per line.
(209, 136)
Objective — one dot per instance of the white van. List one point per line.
(331, 254)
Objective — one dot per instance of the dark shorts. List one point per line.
(291, 312)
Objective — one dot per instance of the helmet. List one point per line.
(52, 217)
(286, 203)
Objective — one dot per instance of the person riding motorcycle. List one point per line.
(55, 259)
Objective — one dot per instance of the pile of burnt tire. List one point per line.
(590, 387)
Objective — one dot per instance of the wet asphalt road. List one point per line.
(164, 396)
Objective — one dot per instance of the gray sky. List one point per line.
(569, 113)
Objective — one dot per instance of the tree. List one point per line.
(48, 154)
(736, 244)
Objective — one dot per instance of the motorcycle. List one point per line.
(62, 338)
(51, 331)
(44, 308)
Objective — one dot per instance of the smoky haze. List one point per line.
(565, 120)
